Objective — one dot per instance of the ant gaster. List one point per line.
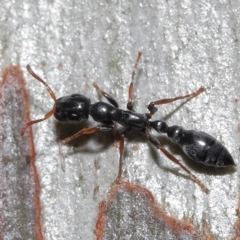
(198, 146)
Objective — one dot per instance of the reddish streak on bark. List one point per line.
(13, 79)
(237, 223)
(174, 225)
(102, 212)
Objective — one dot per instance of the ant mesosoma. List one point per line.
(198, 146)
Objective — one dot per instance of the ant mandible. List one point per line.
(198, 146)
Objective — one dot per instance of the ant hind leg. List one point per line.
(156, 143)
(153, 109)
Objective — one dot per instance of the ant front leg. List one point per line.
(153, 109)
(78, 134)
(106, 95)
(156, 143)
(87, 131)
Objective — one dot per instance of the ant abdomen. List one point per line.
(201, 147)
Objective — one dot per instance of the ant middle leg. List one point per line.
(156, 143)
(121, 150)
(153, 109)
(130, 89)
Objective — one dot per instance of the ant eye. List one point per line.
(73, 117)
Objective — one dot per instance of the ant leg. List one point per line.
(130, 89)
(87, 131)
(106, 95)
(153, 109)
(121, 149)
(76, 135)
(156, 143)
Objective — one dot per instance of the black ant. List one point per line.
(198, 146)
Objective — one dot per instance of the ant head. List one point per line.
(73, 108)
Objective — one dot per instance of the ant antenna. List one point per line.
(50, 113)
(43, 82)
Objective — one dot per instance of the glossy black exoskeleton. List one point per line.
(72, 109)
(198, 146)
